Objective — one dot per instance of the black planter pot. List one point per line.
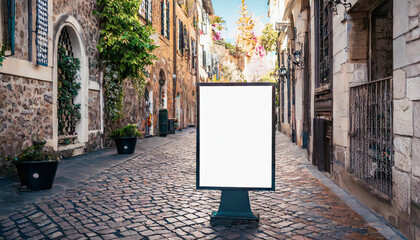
(126, 145)
(37, 175)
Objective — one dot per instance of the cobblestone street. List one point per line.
(153, 196)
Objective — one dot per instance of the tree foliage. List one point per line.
(125, 49)
(269, 38)
(245, 37)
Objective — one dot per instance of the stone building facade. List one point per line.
(29, 75)
(363, 66)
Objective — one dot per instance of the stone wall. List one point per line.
(406, 170)
(94, 109)
(351, 67)
(21, 29)
(27, 102)
(82, 11)
(25, 109)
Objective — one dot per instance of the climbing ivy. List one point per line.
(67, 90)
(125, 48)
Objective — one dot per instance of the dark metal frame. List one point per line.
(273, 115)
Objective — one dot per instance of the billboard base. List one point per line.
(234, 209)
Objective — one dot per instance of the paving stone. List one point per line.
(152, 196)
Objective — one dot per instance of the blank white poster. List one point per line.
(235, 136)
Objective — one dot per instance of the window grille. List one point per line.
(66, 127)
(371, 146)
(324, 41)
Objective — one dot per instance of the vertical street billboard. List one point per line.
(235, 136)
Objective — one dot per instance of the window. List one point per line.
(325, 29)
(193, 54)
(204, 21)
(181, 37)
(164, 18)
(186, 41)
(204, 58)
(167, 20)
(381, 55)
(7, 25)
(146, 10)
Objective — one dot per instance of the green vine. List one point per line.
(2, 54)
(67, 89)
(125, 49)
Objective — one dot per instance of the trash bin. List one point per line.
(163, 122)
(171, 126)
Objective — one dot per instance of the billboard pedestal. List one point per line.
(234, 209)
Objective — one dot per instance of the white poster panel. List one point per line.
(235, 136)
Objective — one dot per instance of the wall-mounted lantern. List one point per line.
(297, 56)
(283, 71)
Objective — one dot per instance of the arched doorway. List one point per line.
(178, 109)
(162, 91)
(70, 113)
(148, 95)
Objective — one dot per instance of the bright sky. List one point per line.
(229, 11)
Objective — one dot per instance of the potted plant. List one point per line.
(126, 138)
(36, 167)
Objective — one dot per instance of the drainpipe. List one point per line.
(174, 60)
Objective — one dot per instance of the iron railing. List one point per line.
(371, 146)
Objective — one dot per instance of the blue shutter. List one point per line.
(42, 32)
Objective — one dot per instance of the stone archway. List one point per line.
(75, 46)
